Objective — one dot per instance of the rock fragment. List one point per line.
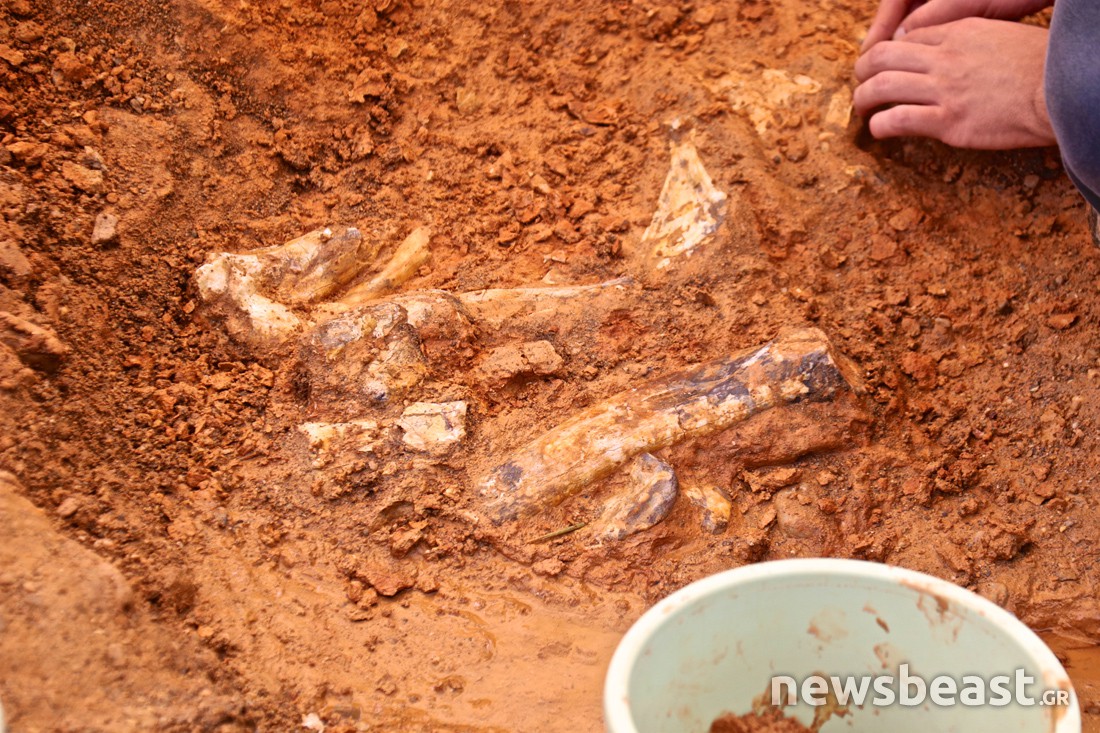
(11, 55)
(87, 180)
(105, 231)
(36, 346)
(433, 427)
(28, 153)
(13, 263)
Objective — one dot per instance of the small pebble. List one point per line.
(106, 229)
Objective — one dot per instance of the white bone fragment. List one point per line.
(689, 208)
(410, 255)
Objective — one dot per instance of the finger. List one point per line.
(909, 120)
(893, 56)
(936, 12)
(893, 87)
(890, 14)
(930, 36)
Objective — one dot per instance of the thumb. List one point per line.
(890, 13)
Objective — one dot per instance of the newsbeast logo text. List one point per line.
(913, 690)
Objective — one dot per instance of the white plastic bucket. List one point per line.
(712, 647)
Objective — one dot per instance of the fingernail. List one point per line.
(899, 33)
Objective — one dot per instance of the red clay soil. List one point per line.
(171, 561)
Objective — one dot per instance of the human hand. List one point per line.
(973, 83)
(895, 18)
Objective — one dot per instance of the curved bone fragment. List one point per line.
(800, 365)
(255, 292)
(653, 491)
(410, 255)
(314, 266)
(250, 291)
(689, 208)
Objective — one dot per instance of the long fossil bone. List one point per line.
(799, 365)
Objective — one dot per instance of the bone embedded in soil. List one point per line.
(800, 365)
(712, 502)
(652, 490)
(263, 296)
(689, 208)
(433, 427)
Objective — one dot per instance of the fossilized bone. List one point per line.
(370, 352)
(654, 489)
(689, 208)
(760, 97)
(498, 307)
(410, 255)
(712, 503)
(799, 365)
(266, 295)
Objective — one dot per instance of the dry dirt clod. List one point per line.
(28, 153)
(12, 56)
(329, 440)
(534, 357)
(87, 180)
(12, 261)
(800, 365)
(36, 346)
(388, 576)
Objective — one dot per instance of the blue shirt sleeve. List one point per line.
(1073, 91)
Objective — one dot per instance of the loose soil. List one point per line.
(171, 560)
(771, 721)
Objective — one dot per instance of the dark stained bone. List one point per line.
(800, 365)
(653, 491)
